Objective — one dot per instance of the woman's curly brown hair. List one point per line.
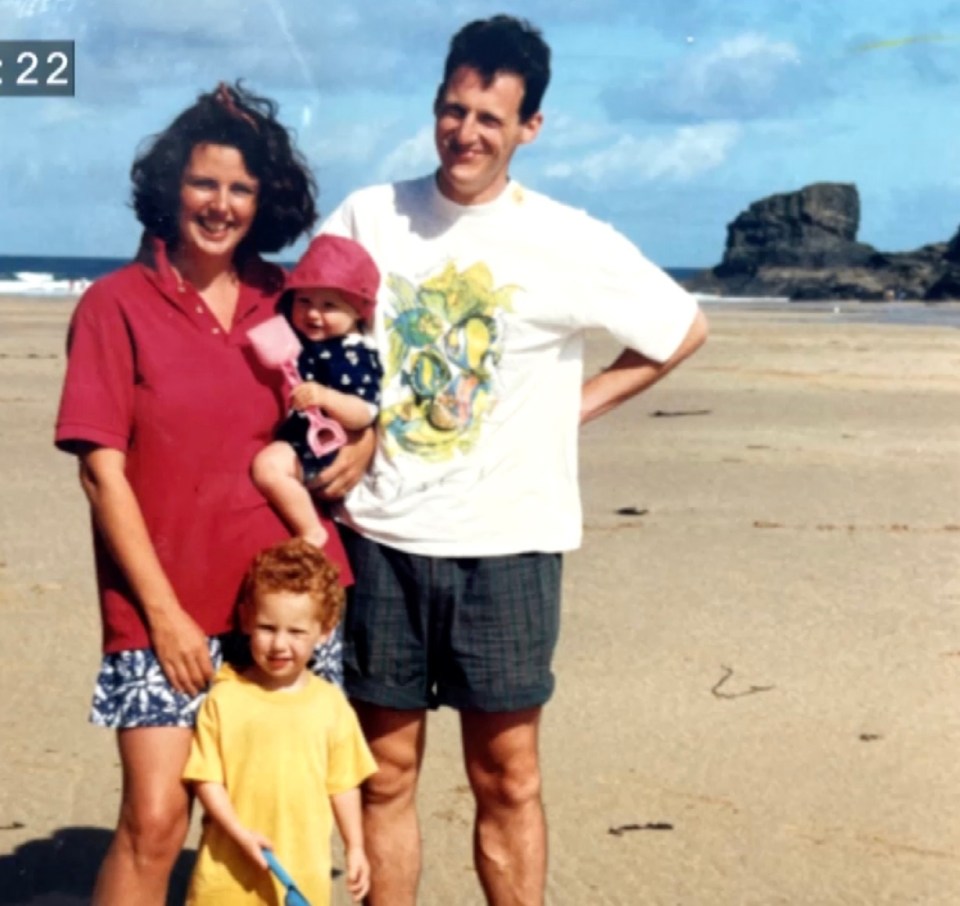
(297, 567)
(229, 115)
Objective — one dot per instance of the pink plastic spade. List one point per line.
(277, 346)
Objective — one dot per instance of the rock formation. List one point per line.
(804, 245)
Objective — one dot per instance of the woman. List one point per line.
(165, 408)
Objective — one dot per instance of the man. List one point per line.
(457, 530)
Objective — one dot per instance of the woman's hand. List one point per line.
(180, 645)
(307, 395)
(182, 650)
(349, 466)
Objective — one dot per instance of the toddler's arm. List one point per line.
(348, 409)
(346, 809)
(217, 804)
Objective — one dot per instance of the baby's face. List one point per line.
(322, 313)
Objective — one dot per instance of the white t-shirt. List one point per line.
(479, 323)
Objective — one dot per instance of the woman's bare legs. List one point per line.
(154, 817)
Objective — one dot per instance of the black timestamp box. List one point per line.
(37, 69)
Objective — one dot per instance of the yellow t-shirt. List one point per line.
(280, 755)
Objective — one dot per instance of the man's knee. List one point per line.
(502, 757)
(394, 782)
(396, 740)
(510, 786)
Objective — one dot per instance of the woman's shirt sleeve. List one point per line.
(96, 405)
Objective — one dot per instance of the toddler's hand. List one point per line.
(358, 873)
(251, 842)
(307, 394)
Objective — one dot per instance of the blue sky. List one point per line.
(665, 118)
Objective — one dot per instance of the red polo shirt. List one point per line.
(150, 372)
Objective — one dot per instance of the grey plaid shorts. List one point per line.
(472, 633)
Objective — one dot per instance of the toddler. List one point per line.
(329, 297)
(278, 753)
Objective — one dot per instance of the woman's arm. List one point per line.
(346, 810)
(216, 803)
(179, 643)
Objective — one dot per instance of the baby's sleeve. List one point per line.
(204, 764)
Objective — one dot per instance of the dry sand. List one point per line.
(762, 662)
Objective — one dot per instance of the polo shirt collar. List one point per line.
(257, 278)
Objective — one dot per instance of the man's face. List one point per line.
(477, 130)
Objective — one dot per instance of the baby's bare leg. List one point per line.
(276, 472)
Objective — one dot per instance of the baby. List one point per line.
(329, 298)
(278, 752)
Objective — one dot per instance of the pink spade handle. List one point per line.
(276, 346)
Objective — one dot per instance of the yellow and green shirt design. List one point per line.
(445, 341)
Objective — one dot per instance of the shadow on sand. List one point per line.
(65, 865)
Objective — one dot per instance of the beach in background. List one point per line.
(758, 696)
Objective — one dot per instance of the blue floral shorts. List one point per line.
(133, 691)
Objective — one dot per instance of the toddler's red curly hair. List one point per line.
(296, 566)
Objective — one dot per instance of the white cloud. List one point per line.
(743, 77)
(681, 156)
(754, 57)
(410, 158)
(565, 131)
(346, 142)
(30, 9)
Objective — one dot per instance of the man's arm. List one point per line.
(349, 466)
(632, 373)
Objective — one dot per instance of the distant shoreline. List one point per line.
(909, 314)
(913, 313)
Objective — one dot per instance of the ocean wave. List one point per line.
(38, 283)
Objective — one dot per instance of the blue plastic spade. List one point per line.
(293, 897)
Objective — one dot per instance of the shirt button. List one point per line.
(199, 309)
(215, 330)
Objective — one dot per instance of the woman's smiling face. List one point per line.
(218, 202)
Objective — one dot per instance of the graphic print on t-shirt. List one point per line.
(445, 342)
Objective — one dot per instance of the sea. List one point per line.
(47, 277)
(33, 275)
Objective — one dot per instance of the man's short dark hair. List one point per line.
(502, 44)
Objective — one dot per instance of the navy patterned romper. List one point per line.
(349, 364)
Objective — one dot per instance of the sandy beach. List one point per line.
(758, 692)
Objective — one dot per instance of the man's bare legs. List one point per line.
(390, 826)
(154, 816)
(510, 834)
(276, 472)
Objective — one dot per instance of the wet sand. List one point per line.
(759, 667)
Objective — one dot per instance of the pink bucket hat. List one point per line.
(333, 262)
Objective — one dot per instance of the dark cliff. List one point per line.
(804, 245)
